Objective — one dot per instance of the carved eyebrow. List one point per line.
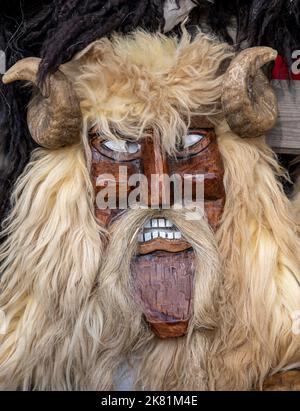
(96, 134)
(95, 131)
(201, 122)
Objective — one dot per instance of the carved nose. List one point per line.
(155, 169)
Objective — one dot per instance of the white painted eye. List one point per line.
(122, 146)
(191, 139)
(132, 148)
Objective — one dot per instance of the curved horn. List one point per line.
(54, 116)
(248, 100)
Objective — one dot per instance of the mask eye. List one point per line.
(122, 146)
(194, 142)
(191, 139)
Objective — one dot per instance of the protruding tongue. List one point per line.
(164, 286)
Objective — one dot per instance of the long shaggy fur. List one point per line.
(49, 264)
(80, 23)
(72, 319)
(259, 246)
(296, 193)
(180, 363)
(176, 79)
(17, 43)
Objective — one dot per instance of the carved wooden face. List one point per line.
(163, 270)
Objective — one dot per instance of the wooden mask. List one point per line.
(164, 267)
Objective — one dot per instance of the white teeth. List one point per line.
(161, 222)
(147, 236)
(154, 222)
(169, 223)
(159, 228)
(155, 234)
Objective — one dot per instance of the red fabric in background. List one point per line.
(280, 71)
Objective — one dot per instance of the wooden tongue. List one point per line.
(163, 284)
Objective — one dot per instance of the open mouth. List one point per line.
(163, 277)
(161, 234)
